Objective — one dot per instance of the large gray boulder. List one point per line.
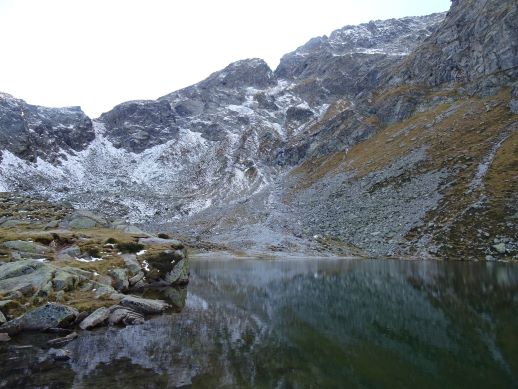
(50, 315)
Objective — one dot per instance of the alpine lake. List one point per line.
(301, 323)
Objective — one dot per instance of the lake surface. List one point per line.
(302, 323)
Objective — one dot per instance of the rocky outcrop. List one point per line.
(476, 46)
(139, 125)
(31, 132)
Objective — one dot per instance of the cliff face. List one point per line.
(388, 138)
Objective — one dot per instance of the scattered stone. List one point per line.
(97, 318)
(131, 263)
(69, 253)
(124, 315)
(4, 337)
(42, 318)
(144, 306)
(159, 241)
(136, 278)
(64, 280)
(500, 248)
(180, 273)
(120, 279)
(59, 354)
(60, 342)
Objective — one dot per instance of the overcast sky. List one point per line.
(98, 53)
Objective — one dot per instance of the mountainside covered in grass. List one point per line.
(389, 138)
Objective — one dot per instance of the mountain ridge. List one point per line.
(282, 160)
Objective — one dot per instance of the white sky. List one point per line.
(99, 53)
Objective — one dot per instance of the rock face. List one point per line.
(477, 45)
(323, 154)
(30, 131)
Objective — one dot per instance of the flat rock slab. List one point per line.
(144, 306)
(97, 318)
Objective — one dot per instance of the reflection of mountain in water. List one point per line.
(318, 323)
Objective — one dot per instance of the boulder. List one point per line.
(120, 279)
(26, 277)
(27, 247)
(180, 273)
(144, 306)
(82, 219)
(161, 264)
(69, 253)
(3, 320)
(50, 315)
(159, 241)
(4, 337)
(97, 318)
(124, 315)
(130, 260)
(64, 280)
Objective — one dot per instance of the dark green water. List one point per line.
(303, 324)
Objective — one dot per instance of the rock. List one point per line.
(180, 273)
(159, 241)
(4, 337)
(129, 229)
(97, 318)
(69, 253)
(27, 247)
(177, 296)
(59, 355)
(144, 306)
(82, 219)
(120, 279)
(83, 315)
(130, 260)
(52, 224)
(42, 318)
(60, 342)
(25, 277)
(3, 320)
(103, 290)
(124, 315)
(136, 278)
(500, 248)
(64, 280)
(161, 264)
(490, 258)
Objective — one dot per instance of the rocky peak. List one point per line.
(253, 73)
(138, 125)
(30, 131)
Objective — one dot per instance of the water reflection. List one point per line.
(305, 323)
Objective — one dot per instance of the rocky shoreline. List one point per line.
(63, 270)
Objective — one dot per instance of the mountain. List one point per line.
(394, 137)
